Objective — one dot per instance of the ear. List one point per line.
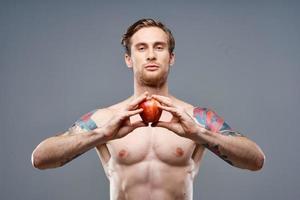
(128, 60)
(172, 58)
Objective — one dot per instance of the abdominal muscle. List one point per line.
(151, 179)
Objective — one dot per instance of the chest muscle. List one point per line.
(152, 143)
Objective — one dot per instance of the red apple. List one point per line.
(151, 111)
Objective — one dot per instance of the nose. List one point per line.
(151, 55)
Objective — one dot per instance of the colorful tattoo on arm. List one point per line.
(86, 122)
(214, 123)
(215, 150)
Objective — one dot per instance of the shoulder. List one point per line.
(183, 104)
(97, 117)
(102, 115)
(192, 109)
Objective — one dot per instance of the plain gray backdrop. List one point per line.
(61, 59)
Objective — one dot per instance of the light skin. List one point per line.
(158, 161)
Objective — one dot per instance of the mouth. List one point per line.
(152, 67)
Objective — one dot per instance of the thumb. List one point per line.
(138, 124)
(167, 125)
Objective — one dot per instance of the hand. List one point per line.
(181, 123)
(119, 125)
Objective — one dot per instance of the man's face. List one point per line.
(150, 58)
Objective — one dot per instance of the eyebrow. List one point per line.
(155, 43)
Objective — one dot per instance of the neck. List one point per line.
(161, 90)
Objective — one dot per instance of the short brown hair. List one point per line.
(146, 23)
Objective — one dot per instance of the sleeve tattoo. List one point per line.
(85, 122)
(214, 123)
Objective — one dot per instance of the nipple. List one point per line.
(123, 153)
(179, 152)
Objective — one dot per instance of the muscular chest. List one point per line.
(150, 143)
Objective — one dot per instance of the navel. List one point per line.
(123, 153)
(179, 152)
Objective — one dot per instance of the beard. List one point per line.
(152, 79)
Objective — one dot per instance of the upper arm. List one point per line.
(210, 120)
(83, 124)
(86, 122)
(213, 122)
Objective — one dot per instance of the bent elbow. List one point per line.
(36, 160)
(259, 163)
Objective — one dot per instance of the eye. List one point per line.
(141, 48)
(159, 47)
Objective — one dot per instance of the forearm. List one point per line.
(233, 148)
(59, 150)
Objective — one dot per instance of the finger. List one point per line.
(176, 112)
(164, 100)
(169, 109)
(138, 124)
(132, 105)
(133, 112)
(125, 130)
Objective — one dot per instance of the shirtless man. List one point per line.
(159, 160)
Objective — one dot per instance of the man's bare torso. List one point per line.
(150, 162)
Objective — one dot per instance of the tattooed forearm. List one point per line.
(214, 123)
(228, 144)
(231, 133)
(215, 150)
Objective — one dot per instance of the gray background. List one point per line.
(61, 59)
